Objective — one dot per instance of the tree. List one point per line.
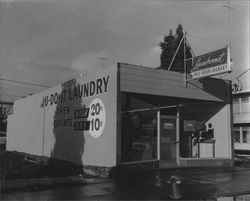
(5, 109)
(169, 46)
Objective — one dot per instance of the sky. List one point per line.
(48, 42)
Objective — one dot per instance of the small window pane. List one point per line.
(244, 98)
(236, 108)
(246, 136)
(237, 136)
(245, 107)
(246, 128)
(236, 100)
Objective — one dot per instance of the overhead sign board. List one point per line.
(212, 63)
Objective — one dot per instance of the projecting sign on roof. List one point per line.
(212, 63)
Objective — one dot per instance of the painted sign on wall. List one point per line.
(212, 63)
(74, 121)
(79, 117)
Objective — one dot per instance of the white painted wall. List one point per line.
(31, 127)
(222, 132)
(25, 126)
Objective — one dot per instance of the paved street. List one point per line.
(196, 184)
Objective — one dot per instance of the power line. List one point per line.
(6, 93)
(25, 83)
(13, 95)
(242, 73)
(228, 6)
(190, 47)
(203, 39)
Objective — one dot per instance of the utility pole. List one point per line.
(184, 54)
(228, 6)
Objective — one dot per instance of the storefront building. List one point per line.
(127, 115)
(241, 123)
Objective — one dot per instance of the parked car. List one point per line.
(2, 138)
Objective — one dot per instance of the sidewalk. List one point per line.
(196, 184)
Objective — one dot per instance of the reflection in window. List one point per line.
(139, 136)
(197, 139)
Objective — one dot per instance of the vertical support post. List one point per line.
(185, 66)
(241, 136)
(231, 128)
(178, 136)
(198, 141)
(213, 149)
(119, 117)
(158, 134)
(43, 130)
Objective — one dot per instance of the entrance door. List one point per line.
(168, 141)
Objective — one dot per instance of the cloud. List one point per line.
(156, 51)
(149, 57)
(43, 40)
(33, 72)
(90, 61)
(154, 59)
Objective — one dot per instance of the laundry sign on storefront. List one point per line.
(212, 63)
(77, 106)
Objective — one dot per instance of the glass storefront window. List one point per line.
(139, 136)
(197, 135)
